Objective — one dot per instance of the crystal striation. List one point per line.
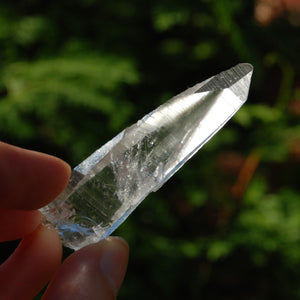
(106, 187)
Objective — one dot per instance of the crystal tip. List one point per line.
(241, 87)
(237, 79)
(243, 70)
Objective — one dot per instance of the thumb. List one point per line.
(93, 272)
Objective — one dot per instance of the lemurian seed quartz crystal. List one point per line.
(106, 187)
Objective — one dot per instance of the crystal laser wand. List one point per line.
(107, 186)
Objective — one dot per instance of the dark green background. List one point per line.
(227, 226)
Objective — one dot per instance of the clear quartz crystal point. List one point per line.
(106, 187)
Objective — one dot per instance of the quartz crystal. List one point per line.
(106, 187)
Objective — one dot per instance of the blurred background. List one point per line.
(227, 225)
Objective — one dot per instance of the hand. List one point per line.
(28, 181)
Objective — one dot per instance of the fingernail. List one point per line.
(113, 261)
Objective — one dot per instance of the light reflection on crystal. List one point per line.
(106, 187)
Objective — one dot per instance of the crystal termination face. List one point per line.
(106, 187)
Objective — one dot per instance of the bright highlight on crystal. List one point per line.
(106, 187)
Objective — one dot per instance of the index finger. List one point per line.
(29, 179)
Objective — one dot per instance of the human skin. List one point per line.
(28, 181)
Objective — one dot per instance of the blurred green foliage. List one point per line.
(74, 73)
